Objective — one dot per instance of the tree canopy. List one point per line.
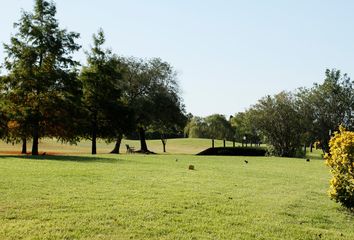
(41, 86)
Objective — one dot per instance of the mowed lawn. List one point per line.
(157, 197)
(174, 146)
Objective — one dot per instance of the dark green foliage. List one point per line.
(41, 88)
(152, 93)
(326, 106)
(103, 88)
(279, 121)
(244, 127)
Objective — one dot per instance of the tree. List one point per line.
(279, 121)
(215, 126)
(41, 86)
(218, 127)
(150, 85)
(169, 114)
(326, 106)
(196, 128)
(244, 127)
(102, 85)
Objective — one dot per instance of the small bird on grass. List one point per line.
(307, 160)
(246, 161)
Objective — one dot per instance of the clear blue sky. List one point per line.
(228, 53)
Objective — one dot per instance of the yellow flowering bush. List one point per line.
(341, 161)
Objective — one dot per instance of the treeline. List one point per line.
(288, 121)
(46, 93)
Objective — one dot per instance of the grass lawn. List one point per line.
(157, 197)
(175, 146)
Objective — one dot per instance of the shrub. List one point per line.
(341, 161)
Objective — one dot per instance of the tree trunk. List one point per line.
(24, 146)
(94, 138)
(212, 143)
(224, 143)
(311, 146)
(305, 149)
(35, 139)
(117, 145)
(143, 145)
(164, 141)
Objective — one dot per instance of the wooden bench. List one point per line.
(129, 149)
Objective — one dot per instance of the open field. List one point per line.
(156, 197)
(175, 146)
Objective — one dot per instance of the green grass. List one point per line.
(175, 146)
(156, 197)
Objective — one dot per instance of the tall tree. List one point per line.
(42, 84)
(162, 104)
(326, 106)
(279, 121)
(169, 114)
(102, 84)
(148, 85)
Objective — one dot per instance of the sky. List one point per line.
(228, 53)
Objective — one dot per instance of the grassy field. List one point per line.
(175, 146)
(157, 197)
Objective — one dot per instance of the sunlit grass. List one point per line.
(157, 197)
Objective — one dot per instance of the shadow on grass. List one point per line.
(349, 212)
(83, 159)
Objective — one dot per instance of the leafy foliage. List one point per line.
(215, 126)
(41, 88)
(244, 126)
(279, 121)
(102, 91)
(152, 93)
(326, 106)
(341, 161)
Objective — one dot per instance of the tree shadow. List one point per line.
(68, 158)
(349, 212)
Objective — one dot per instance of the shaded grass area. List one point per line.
(234, 151)
(176, 146)
(157, 197)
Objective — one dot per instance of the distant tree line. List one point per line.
(45, 92)
(287, 121)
